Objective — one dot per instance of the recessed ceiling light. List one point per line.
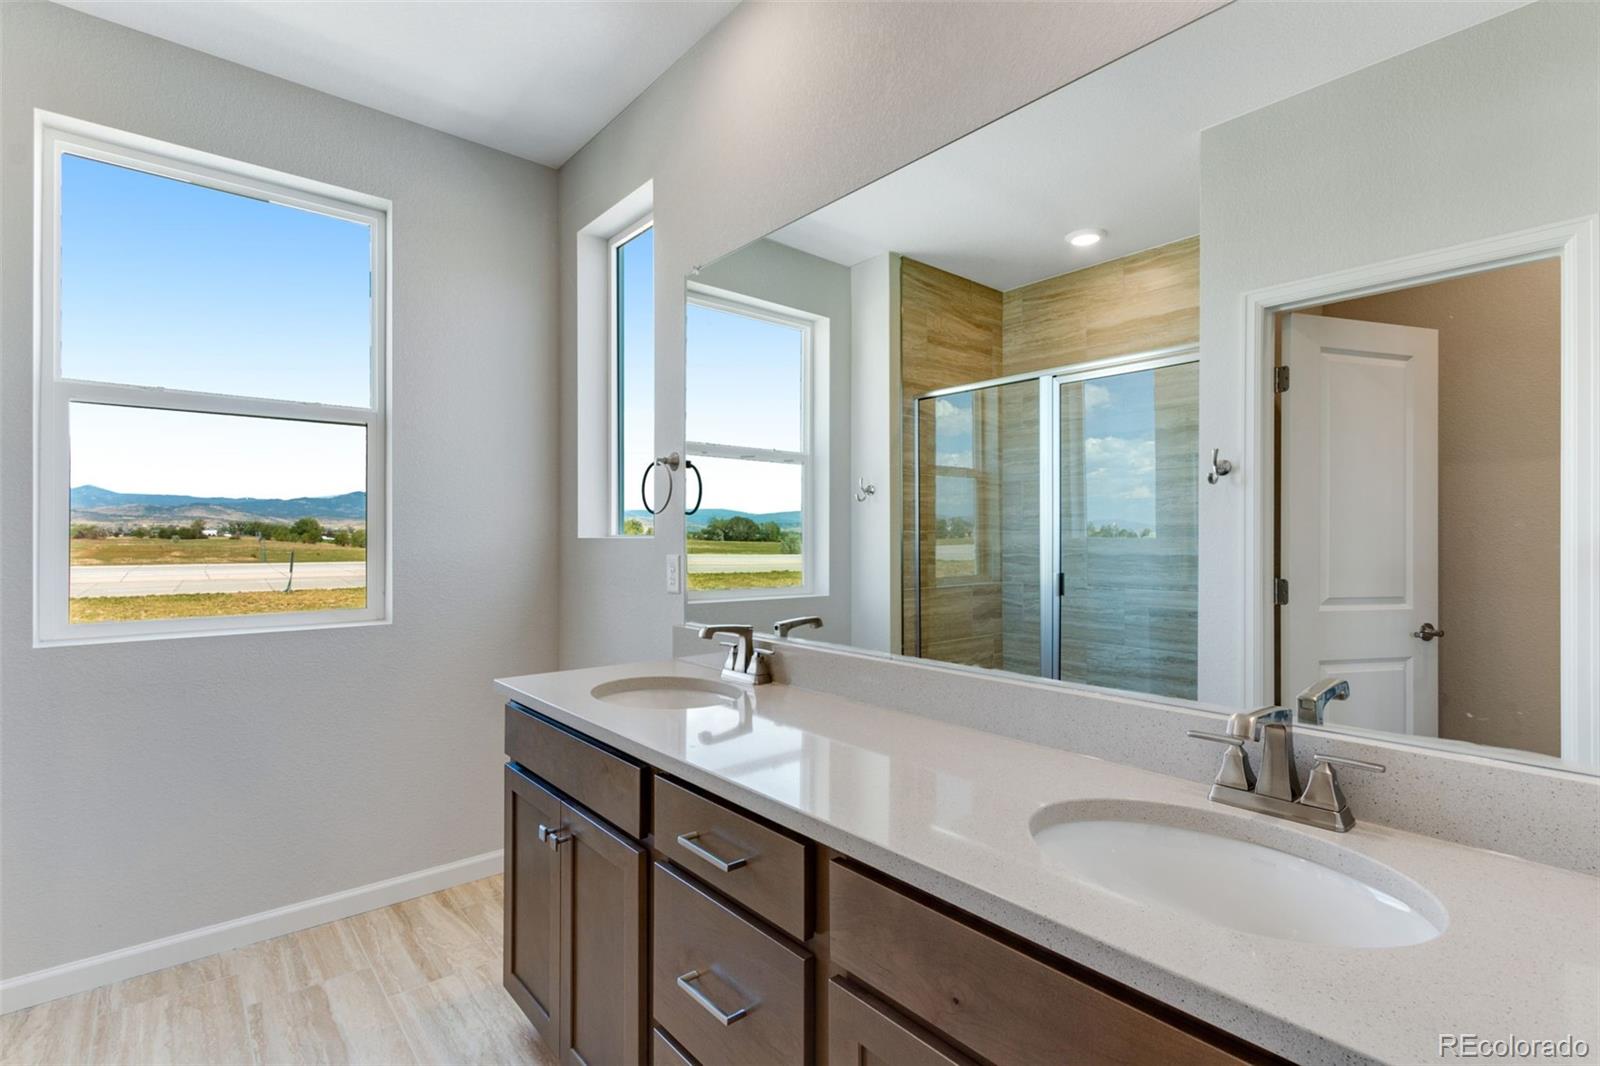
(1083, 238)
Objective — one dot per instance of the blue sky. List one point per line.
(172, 284)
(744, 379)
(1119, 449)
(636, 330)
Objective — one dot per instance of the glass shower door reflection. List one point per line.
(976, 526)
(1128, 512)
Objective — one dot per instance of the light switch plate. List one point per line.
(674, 572)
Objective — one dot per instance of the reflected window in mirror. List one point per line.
(633, 370)
(748, 368)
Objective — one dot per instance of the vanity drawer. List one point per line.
(863, 1029)
(664, 1051)
(605, 781)
(761, 867)
(1001, 1001)
(728, 991)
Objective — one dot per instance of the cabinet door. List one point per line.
(531, 967)
(602, 943)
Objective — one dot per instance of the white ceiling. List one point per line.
(536, 78)
(1118, 149)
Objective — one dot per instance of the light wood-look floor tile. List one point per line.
(415, 983)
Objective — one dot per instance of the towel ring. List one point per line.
(671, 463)
(699, 485)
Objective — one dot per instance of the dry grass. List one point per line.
(137, 551)
(734, 547)
(761, 579)
(212, 604)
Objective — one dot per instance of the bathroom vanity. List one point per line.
(698, 872)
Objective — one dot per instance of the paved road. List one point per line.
(166, 579)
(717, 563)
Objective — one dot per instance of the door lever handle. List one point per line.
(1428, 632)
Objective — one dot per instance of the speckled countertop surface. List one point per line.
(948, 809)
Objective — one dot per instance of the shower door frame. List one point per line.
(1049, 394)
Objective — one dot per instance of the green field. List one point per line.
(761, 579)
(734, 547)
(134, 551)
(211, 604)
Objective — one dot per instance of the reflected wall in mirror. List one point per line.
(1348, 249)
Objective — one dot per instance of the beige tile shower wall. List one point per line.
(1138, 303)
(1499, 497)
(953, 331)
(949, 334)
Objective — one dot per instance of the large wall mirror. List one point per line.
(1264, 355)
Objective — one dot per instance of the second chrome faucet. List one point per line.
(1278, 792)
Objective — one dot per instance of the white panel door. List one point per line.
(1360, 518)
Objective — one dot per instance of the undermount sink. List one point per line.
(1237, 873)
(668, 693)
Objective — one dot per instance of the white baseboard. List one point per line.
(80, 976)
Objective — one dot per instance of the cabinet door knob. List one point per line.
(554, 837)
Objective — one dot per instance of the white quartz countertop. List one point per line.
(948, 809)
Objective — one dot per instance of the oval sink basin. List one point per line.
(1279, 884)
(668, 693)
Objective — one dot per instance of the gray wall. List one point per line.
(782, 275)
(1486, 132)
(780, 109)
(153, 788)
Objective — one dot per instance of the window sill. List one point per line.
(123, 633)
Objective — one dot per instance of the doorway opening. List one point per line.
(1417, 531)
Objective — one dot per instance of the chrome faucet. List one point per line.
(1277, 792)
(746, 664)
(783, 628)
(1313, 702)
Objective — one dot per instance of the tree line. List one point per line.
(301, 531)
(739, 528)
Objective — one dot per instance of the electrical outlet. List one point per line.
(674, 572)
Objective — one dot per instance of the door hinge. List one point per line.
(1280, 591)
(1280, 379)
(1061, 583)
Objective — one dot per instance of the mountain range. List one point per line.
(785, 519)
(91, 503)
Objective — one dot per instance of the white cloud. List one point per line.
(1120, 479)
(1095, 396)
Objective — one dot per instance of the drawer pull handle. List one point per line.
(554, 837)
(690, 844)
(687, 983)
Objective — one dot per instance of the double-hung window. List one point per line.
(212, 424)
(747, 424)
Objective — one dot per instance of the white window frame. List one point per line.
(56, 135)
(622, 481)
(811, 556)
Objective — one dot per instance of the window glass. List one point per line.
(744, 379)
(634, 278)
(182, 514)
(748, 531)
(173, 284)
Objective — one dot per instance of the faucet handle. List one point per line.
(1322, 788)
(1235, 770)
(1354, 764)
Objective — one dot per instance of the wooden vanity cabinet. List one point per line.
(576, 905)
(710, 936)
